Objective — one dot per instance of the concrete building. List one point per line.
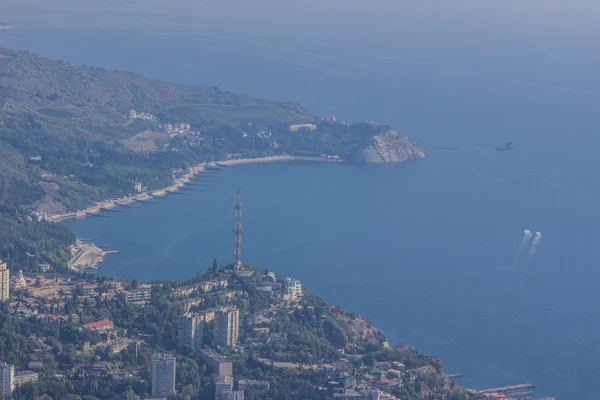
(87, 289)
(18, 282)
(23, 377)
(351, 394)
(292, 288)
(7, 378)
(4, 282)
(190, 330)
(163, 375)
(183, 291)
(218, 363)
(224, 384)
(102, 325)
(232, 395)
(134, 296)
(227, 327)
(297, 127)
(244, 384)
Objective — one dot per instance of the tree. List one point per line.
(128, 394)
(215, 265)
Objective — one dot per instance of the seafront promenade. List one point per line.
(178, 184)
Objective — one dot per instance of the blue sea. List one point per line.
(427, 250)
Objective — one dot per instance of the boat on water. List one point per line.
(507, 146)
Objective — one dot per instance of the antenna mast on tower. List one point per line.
(237, 232)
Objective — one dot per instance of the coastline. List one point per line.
(86, 254)
(178, 184)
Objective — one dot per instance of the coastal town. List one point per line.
(237, 320)
(217, 325)
(233, 331)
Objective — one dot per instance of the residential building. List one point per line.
(134, 296)
(18, 282)
(113, 285)
(35, 364)
(292, 288)
(351, 394)
(232, 395)
(226, 296)
(163, 375)
(208, 314)
(23, 377)
(297, 127)
(101, 325)
(86, 289)
(44, 268)
(188, 304)
(7, 378)
(190, 330)
(119, 345)
(208, 286)
(182, 291)
(244, 384)
(132, 114)
(4, 282)
(227, 327)
(218, 363)
(224, 383)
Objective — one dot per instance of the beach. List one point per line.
(178, 184)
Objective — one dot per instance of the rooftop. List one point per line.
(97, 324)
(210, 353)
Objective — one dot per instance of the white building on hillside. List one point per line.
(7, 378)
(292, 288)
(4, 282)
(18, 282)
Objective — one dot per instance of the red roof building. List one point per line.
(99, 325)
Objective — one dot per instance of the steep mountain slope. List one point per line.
(71, 135)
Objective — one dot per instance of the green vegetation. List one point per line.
(259, 114)
(62, 112)
(25, 243)
(64, 131)
(298, 358)
(63, 136)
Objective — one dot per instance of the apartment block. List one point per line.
(163, 375)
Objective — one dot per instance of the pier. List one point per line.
(451, 376)
(128, 206)
(89, 214)
(523, 391)
(178, 193)
(111, 210)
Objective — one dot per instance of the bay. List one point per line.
(425, 250)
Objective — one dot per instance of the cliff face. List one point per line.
(388, 147)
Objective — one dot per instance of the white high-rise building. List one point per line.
(227, 326)
(163, 375)
(292, 288)
(4, 282)
(190, 330)
(7, 378)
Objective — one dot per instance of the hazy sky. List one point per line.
(572, 16)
